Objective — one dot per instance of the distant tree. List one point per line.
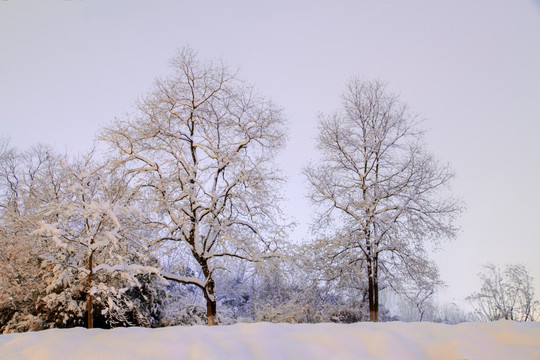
(201, 146)
(450, 313)
(505, 295)
(417, 289)
(285, 290)
(378, 190)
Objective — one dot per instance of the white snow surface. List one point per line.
(393, 340)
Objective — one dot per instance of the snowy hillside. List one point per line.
(498, 340)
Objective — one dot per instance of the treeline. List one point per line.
(176, 213)
(77, 235)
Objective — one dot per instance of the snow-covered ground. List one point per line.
(396, 340)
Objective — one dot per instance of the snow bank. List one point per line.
(498, 340)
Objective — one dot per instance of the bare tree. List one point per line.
(378, 190)
(505, 295)
(202, 146)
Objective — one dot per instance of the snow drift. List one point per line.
(395, 340)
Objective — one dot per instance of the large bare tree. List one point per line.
(378, 191)
(202, 145)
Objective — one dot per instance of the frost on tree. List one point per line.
(30, 180)
(505, 295)
(378, 192)
(19, 252)
(95, 247)
(202, 144)
(69, 244)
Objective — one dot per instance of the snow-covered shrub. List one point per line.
(182, 306)
(24, 322)
(282, 290)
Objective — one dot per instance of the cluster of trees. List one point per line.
(179, 207)
(70, 243)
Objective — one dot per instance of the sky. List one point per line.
(470, 68)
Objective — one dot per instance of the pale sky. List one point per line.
(470, 68)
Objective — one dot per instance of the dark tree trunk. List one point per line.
(373, 290)
(88, 295)
(209, 294)
(211, 311)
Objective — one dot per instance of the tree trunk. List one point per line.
(88, 295)
(211, 312)
(209, 293)
(373, 290)
(211, 303)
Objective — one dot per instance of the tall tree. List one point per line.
(378, 190)
(202, 145)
